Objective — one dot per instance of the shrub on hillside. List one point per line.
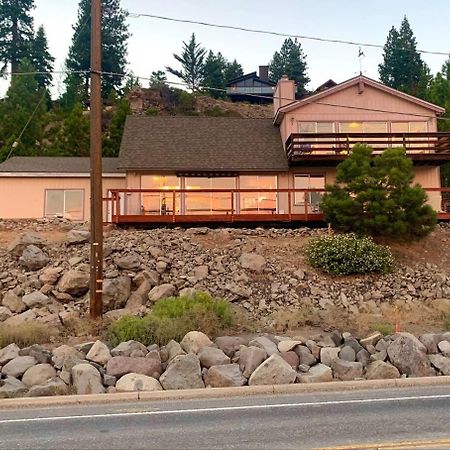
(346, 254)
(172, 318)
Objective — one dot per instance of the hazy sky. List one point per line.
(154, 41)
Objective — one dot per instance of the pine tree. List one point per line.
(41, 58)
(375, 196)
(16, 32)
(233, 70)
(73, 138)
(192, 61)
(290, 61)
(402, 67)
(23, 101)
(215, 66)
(114, 47)
(158, 79)
(113, 137)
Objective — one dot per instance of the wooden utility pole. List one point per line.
(96, 281)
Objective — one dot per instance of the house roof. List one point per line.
(52, 164)
(208, 144)
(351, 82)
(248, 76)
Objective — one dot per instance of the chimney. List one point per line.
(264, 73)
(284, 93)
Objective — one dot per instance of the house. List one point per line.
(189, 169)
(251, 87)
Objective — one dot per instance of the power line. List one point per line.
(52, 72)
(277, 33)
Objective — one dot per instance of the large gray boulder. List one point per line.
(380, 370)
(99, 353)
(74, 282)
(266, 344)
(305, 355)
(52, 387)
(121, 365)
(162, 291)
(409, 355)
(18, 366)
(210, 356)
(128, 348)
(139, 297)
(19, 319)
(36, 300)
(194, 341)
(116, 292)
(226, 375)
(63, 353)
(78, 236)
(19, 244)
(274, 370)
(132, 382)
(230, 344)
(430, 341)
(13, 302)
(183, 372)
(50, 275)
(252, 261)
(129, 262)
(346, 370)
(320, 373)
(441, 363)
(173, 348)
(86, 379)
(328, 355)
(38, 374)
(444, 348)
(12, 388)
(33, 258)
(8, 353)
(250, 358)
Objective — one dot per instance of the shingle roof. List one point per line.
(52, 164)
(185, 143)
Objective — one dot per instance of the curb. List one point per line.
(216, 393)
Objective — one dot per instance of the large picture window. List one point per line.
(160, 203)
(258, 202)
(67, 203)
(309, 181)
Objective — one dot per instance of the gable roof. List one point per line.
(352, 82)
(208, 144)
(54, 164)
(248, 76)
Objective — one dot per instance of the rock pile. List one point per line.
(198, 362)
(48, 281)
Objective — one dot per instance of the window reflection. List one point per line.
(160, 203)
(258, 202)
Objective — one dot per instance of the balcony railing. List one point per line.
(303, 146)
(165, 206)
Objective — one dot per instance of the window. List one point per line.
(258, 202)
(309, 181)
(64, 203)
(316, 127)
(160, 203)
(410, 127)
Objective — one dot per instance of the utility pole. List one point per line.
(96, 280)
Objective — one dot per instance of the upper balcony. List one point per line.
(322, 148)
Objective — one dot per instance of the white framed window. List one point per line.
(261, 202)
(315, 127)
(66, 203)
(309, 181)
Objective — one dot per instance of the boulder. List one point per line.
(430, 341)
(346, 370)
(19, 319)
(183, 372)
(36, 300)
(226, 375)
(129, 262)
(128, 347)
(5, 313)
(33, 258)
(441, 363)
(250, 358)
(274, 370)
(147, 275)
(266, 344)
(74, 282)
(371, 340)
(13, 302)
(78, 237)
(63, 352)
(210, 356)
(41, 355)
(162, 291)
(319, 373)
(86, 379)
(287, 345)
(409, 355)
(139, 297)
(12, 388)
(347, 353)
(8, 353)
(53, 387)
(444, 348)
(173, 349)
(132, 382)
(50, 275)
(116, 292)
(18, 366)
(230, 344)
(328, 355)
(201, 272)
(380, 370)
(19, 244)
(38, 374)
(99, 353)
(194, 341)
(291, 358)
(363, 356)
(305, 355)
(118, 366)
(252, 261)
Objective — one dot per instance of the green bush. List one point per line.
(384, 328)
(172, 318)
(346, 254)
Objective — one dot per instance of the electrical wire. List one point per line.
(277, 33)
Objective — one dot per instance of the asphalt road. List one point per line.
(318, 420)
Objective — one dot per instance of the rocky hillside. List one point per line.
(44, 275)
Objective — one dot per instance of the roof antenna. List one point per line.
(361, 55)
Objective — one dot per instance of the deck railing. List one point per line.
(310, 145)
(228, 205)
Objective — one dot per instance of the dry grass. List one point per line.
(26, 334)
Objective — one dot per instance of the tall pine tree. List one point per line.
(215, 66)
(114, 48)
(41, 58)
(290, 61)
(233, 70)
(16, 32)
(402, 67)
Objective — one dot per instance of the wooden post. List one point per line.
(306, 205)
(232, 205)
(173, 206)
(96, 262)
(289, 204)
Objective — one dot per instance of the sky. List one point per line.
(153, 42)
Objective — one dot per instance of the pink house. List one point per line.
(217, 169)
